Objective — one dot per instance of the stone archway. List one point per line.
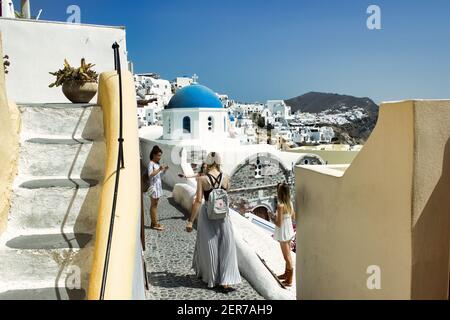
(253, 184)
(310, 159)
(262, 212)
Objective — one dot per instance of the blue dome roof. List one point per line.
(195, 96)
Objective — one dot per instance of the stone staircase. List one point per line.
(46, 251)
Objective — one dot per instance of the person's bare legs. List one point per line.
(154, 214)
(286, 249)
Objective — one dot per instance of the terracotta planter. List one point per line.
(79, 92)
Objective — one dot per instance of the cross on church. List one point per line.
(195, 78)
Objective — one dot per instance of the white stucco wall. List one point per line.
(36, 48)
(233, 153)
(199, 124)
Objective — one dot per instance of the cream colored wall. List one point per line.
(431, 200)
(369, 216)
(351, 226)
(9, 147)
(124, 264)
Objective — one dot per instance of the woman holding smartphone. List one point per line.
(154, 172)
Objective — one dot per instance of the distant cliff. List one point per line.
(356, 129)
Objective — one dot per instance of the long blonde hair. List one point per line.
(284, 197)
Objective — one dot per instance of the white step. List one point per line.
(44, 294)
(72, 209)
(50, 236)
(32, 274)
(54, 159)
(73, 120)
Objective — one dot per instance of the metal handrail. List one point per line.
(120, 166)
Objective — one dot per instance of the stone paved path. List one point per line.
(169, 260)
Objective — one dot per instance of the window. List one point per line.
(186, 125)
(210, 123)
(258, 169)
(225, 124)
(169, 127)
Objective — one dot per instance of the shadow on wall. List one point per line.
(86, 221)
(87, 217)
(438, 202)
(74, 258)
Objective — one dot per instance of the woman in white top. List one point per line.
(154, 172)
(284, 230)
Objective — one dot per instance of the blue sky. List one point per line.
(256, 50)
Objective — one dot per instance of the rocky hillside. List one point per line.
(352, 118)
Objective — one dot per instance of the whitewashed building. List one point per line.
(247, 109)
(226, 101)
(268, 116)
(149, 86)
(147, 116)
(181, 82)
(7, 9)
(314, 135)
(195, 113)
(278, 108)
(153, 95)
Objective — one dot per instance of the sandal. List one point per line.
(157, 227)
(227, 289)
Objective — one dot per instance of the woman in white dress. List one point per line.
(284, 230)
(215, 258)
(154, 172)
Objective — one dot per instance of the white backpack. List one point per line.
(217, 204)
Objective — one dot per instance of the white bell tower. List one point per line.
(7, 9)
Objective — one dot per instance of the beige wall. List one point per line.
(9, 151)
(431, 200)
(368, 215)
(125, 275)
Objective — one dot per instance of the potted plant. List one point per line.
(79, 85)
(6, 63)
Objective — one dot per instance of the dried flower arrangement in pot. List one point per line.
(79, 85)
(6, 63)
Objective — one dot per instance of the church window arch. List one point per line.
(186, 125)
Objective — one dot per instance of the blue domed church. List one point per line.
(195, 112)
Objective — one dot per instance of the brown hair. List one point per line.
(155, 151)
(203, 170)
(284, 197)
